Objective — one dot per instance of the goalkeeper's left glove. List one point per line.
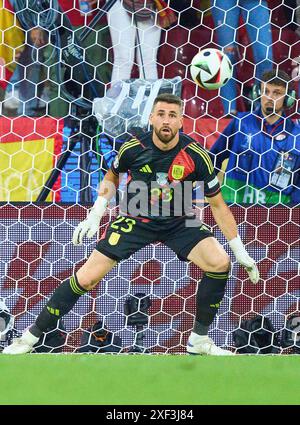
(244, 258)
(90, 225)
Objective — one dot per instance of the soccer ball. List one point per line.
(211, 69)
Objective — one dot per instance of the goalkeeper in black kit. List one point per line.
(163, 166)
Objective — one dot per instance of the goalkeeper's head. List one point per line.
(166, 119)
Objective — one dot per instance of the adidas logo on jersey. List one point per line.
(146, 169)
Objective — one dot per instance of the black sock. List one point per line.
(210, 293)
(60, 303)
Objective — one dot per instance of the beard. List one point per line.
(165, 137)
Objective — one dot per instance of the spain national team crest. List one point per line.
(177, 172)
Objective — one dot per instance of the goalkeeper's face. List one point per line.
(166, 119)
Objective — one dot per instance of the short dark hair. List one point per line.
(168, 98)
(276, 77)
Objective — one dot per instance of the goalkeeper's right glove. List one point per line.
(90, 225)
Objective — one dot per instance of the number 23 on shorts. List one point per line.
(123, 221)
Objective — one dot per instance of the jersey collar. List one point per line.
(271, 129)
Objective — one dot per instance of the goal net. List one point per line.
(67, 107)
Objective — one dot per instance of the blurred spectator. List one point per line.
(42, 67)
(262, 148)
(256, 17)
(96, 51)
(36, 82)
(137, 23)
(24, 93)
(11, 45)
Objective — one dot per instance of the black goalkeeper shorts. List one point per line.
(126, 235)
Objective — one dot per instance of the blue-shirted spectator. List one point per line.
(262, 148)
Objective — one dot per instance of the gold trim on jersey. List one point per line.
(126, 146)
(204, 155)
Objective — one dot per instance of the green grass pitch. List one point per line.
(38, 379)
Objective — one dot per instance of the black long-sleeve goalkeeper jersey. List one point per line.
(160, 183)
